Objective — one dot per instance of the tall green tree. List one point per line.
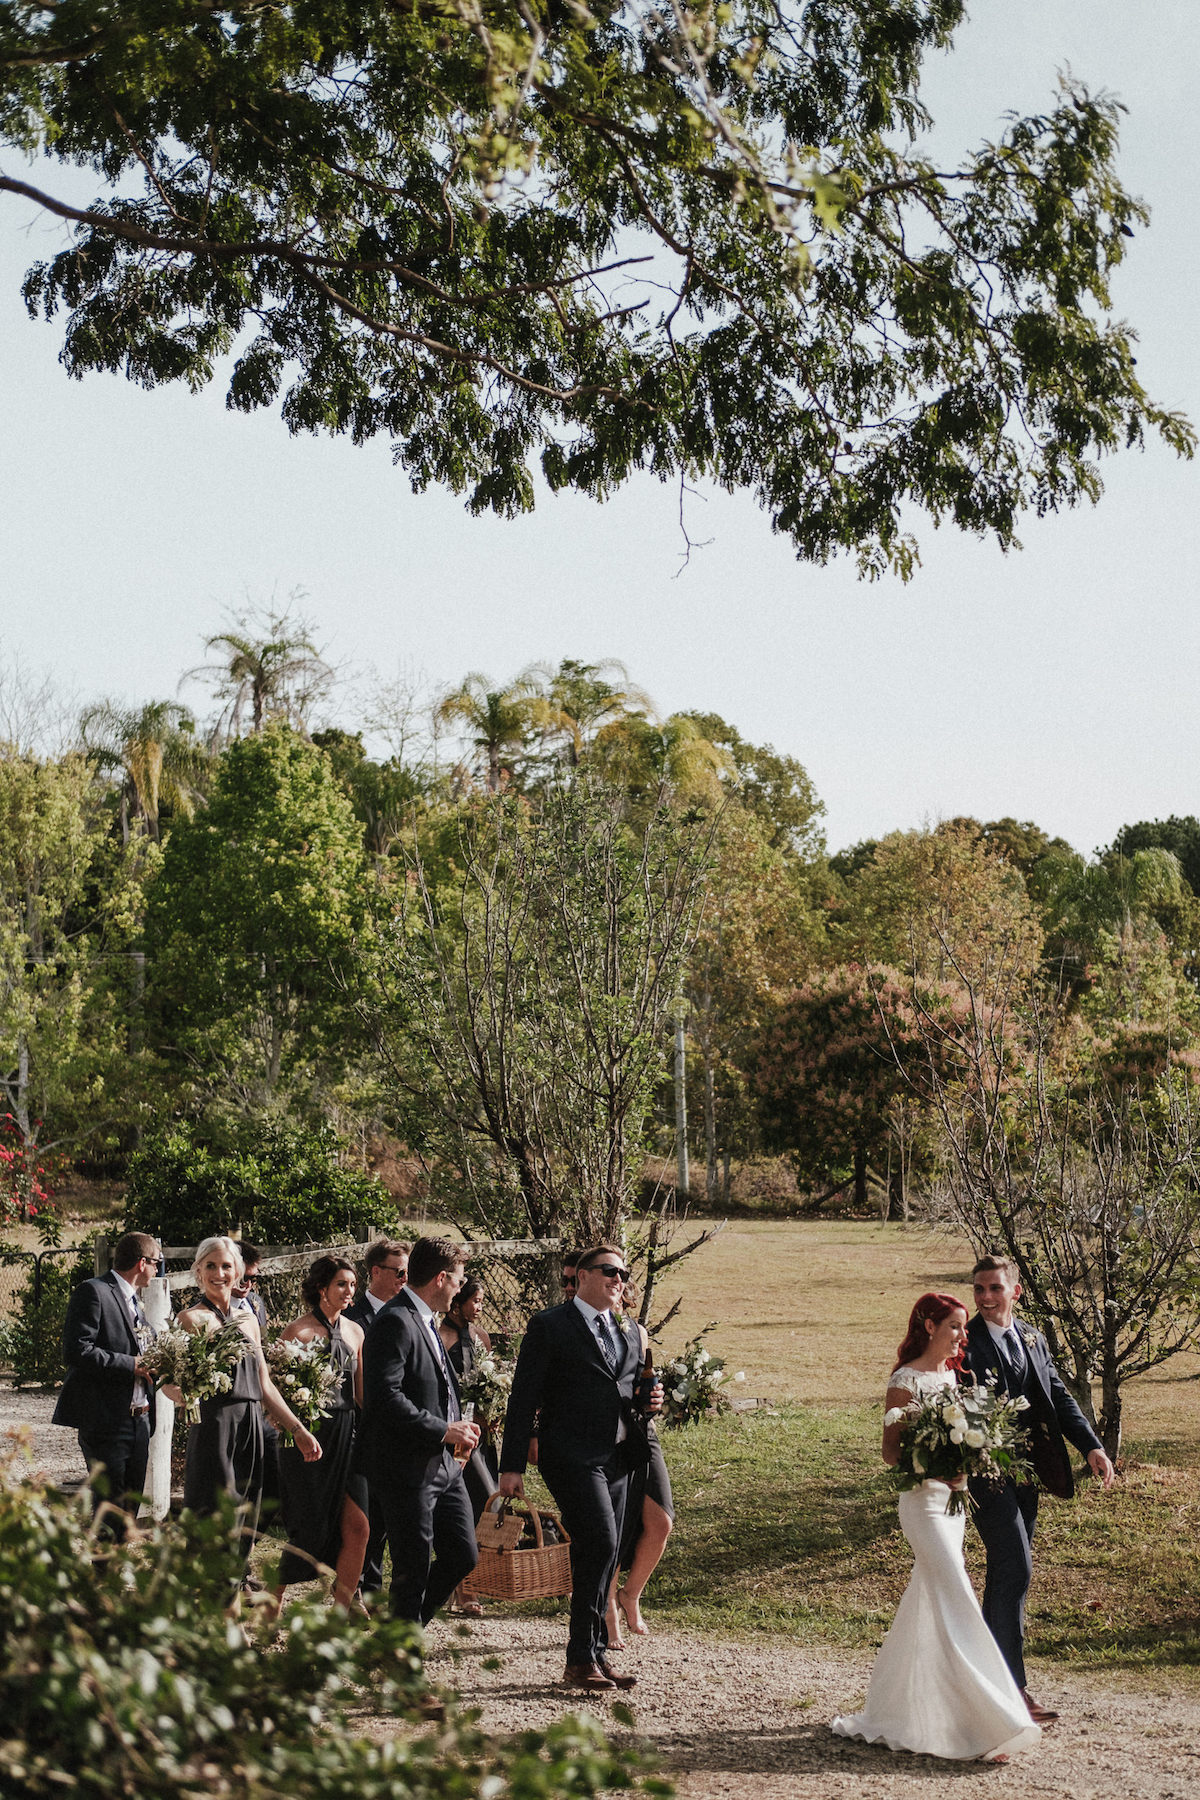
(250, 918)
(62, 956)
(522, 1006)
(267, 667)
(592, 240)
(496, 721)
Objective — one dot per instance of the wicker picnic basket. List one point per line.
(506, 1572)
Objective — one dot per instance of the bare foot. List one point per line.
(613, 1622)
(633, 1615)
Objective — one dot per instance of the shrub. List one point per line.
(32, 1345)
(125, 1672)
(270, 1182)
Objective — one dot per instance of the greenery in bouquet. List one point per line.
(305, 1376)
(200, 1363)
(694, 1382)
(488, 1386)
(971, 1431)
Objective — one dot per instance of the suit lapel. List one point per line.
(122, 1307)
(587, 1332)
(441, 1364)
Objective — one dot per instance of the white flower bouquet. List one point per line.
(200, 1363)
(487, 1385)
(305, 1376)
(972, 1431)
(694, 1383)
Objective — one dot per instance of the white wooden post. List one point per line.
(156, 1304)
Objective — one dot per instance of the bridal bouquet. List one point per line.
(960, 1431)
(488, 1386)
(200, 1363)
(305, 1376)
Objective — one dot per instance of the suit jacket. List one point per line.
(406, 1399)
(100, 1349)
(562, 1374)
(1053, 1414)
(362, 1312)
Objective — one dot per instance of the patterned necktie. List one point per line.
(607, 1345)
(452, 1411)
(1014, 1351)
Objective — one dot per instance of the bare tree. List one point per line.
(1091, 1183)
(267, 667)
(523, 1014)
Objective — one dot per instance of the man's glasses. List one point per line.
(608, 1269)
(569, 1281)
(391, 1269)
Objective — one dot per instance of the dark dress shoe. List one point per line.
(613, 1675)
(586, 1675)
(1041, 1715)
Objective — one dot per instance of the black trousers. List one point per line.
(372, 1569)
(123, 1453)
(1005, 1517)
(592, 1503)
(431, 1535)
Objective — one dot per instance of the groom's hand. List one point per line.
(1101, 1467)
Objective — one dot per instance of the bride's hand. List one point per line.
(958, 1481)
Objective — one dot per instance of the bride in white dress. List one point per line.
(940, 1686)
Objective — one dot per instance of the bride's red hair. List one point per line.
(930, 1309)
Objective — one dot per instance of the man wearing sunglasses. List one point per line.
(577, 1372)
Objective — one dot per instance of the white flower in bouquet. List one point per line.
(487, 1385)
(937, 1443)
(304, 1373)
(692, 1383)
(200, 1363)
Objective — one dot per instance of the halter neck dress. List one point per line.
(225, 1447)
(313, 1493)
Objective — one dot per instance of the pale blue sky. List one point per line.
(1056, 684)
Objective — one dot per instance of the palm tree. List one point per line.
(497, 720)
(640, 755)
(268, 667)
(155, 749)
(579, 699)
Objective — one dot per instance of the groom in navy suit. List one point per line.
(576, 1372)
(1018, 1359)
(107, 1395)
(411, 1426)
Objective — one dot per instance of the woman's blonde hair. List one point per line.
(219, 1243)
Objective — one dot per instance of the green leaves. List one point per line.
(438, 223)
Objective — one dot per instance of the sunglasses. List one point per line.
(608, 1269)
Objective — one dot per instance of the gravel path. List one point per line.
(730, 1720)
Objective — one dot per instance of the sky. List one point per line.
(1057, 683)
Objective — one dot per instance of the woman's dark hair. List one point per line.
(468, 1291)
(319, 1277)
(930, 1309)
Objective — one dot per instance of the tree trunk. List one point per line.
(1110, 1411)
(860, 1178)
(710, 1127)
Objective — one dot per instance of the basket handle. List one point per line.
(504, 1500)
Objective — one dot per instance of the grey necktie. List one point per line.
(1014, 1351)
(607, 1344)
(452, 1409)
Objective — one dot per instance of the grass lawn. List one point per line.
(786, 1518)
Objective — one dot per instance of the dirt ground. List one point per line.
(728, 1720)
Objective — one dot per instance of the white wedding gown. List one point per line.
(940, 1687)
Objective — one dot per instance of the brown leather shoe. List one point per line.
(611, 1674)
(587, 1675)
(1041, 1715)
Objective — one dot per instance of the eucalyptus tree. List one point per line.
(514, 236)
